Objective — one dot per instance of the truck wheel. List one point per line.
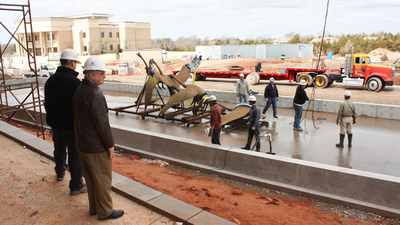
(321, 81)
(374, 84)
(253, 78)
(307, 78)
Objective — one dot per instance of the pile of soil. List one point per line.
(380, 52)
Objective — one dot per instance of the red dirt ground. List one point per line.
(236, 202)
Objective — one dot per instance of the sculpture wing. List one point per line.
(238, 113)
(189, 92)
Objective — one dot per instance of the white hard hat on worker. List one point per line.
(347, 94)
(95, 69)
(252, 98)
(212, 98)
(95, 63)
(70, 54)
(302, 83)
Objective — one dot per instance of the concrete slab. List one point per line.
(22, 135)
(118, 178)
(48, 152)
(206, 218)
(363, 109)
(173, 207)
(7, 128)
(38, 144)
(136, 191)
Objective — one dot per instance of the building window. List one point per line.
(85, 48)
(54, 49)
(29, 38)
(102, 34)
(48, 49)
(54, 36)
(84, 34)
(118, 47)
(111, 47)
(38, 52)
(36, 37)
(110, 34)
(48, 37)
(117, 34)
(30, 50)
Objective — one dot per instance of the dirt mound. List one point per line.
(380, 52)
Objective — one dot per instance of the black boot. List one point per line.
(340, 145)
(350, 136)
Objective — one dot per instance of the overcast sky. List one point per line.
(228, 18)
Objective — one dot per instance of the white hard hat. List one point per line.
(241, 75)
(252, 98)
(271, 79)
(95, 63)
(302, 82)
(70, 54)
(347, 93)
(212, 98)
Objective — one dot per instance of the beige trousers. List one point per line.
(346, 125)
(97, 169)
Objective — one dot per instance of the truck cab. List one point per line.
(359, 71)
(375, 77)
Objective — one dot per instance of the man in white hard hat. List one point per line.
(58, 92)
(254, 124)
(347, 114)
(94, 140)
(242, 88)
(299, 99)
(271, 95)
(215, 120)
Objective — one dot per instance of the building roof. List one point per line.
(90, 16)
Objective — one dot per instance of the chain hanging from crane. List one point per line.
(314, 88)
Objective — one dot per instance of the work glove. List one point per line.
(277, 98)
(337, 122)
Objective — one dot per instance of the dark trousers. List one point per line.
(215, 137)
(250, 136)
(64, 139)
(98, 175)
(269, 102)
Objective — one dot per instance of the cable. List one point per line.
(314, 88)
(226, 153)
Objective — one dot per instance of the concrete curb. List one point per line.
(349, 187)
(146, 196)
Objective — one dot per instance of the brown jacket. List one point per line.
(92, 127)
